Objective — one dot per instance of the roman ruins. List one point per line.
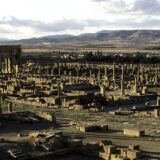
(107, 111)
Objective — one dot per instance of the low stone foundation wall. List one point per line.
(49, 116)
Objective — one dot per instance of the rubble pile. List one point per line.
(48, 142)
(107, 151)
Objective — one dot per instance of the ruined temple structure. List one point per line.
(9, 58)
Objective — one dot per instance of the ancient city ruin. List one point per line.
(67, 109)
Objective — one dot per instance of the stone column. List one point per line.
(158, 101)
(70, 73)
(114, 72)
(65, 72)
(146, 104)
(156, 113)
(122, 82)
(10, 107)
(138, 76)
(99, 75)
(135, 86)
(156, 76)
(102, 90)
(147, 78)
(9, 65)
(122, 75)
(106, 73)
(144, 90)
(122, 88)
(59, 89)
(90, 73)
(142, 73)
(16, 69)
(5, 65)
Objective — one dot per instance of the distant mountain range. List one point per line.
(105, 36)
(4, 40)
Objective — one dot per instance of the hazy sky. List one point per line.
(34, 18)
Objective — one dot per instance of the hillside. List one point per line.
(124, 38)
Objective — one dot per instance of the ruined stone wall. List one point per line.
(9, 58)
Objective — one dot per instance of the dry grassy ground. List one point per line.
(79, 49)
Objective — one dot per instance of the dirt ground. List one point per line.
(150, 142)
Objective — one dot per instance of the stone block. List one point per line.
(117, 157)
(104, 155)
(134, 133)
(133, 154)
(88, 128)
(109, 149)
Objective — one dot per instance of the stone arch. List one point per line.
(4, 64)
